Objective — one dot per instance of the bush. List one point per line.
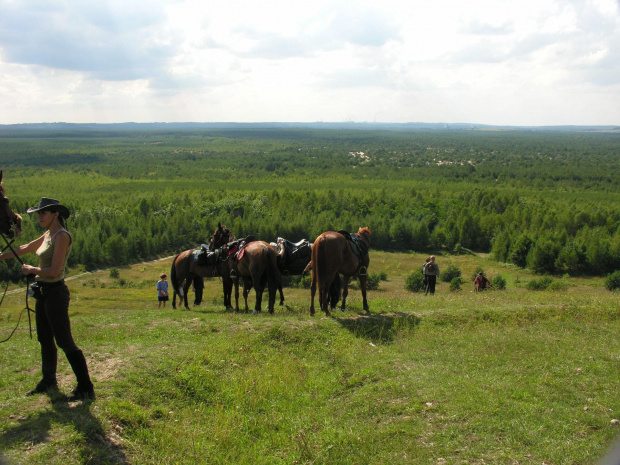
(541, 284)
(450, 273)
(612, 281)
(414, 282)
(114, 274)
(455, 284)
(372, 281)
(498, 283)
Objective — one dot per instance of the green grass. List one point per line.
(512, 376)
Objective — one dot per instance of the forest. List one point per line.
(544, 200)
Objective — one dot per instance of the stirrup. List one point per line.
(363, 271)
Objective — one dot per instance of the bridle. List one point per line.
(9, 245)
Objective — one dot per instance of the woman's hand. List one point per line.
(27, 269)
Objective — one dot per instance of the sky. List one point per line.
(519, 63)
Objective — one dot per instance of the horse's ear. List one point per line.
(0, 175)
(219, 225)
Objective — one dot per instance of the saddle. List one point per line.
(358, 247)
(295, 257)
(204, 257)
(237, 248)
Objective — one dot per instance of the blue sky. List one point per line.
(540, 62)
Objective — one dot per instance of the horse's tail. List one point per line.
(319, 265)
(174, 281)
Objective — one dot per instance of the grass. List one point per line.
(513, 376)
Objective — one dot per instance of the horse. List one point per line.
(293, 258)
(10, 222)
(199, 262)
(334, 253)
(253, 261)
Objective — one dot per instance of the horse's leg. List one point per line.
(345, 292)
(236, 284)
(247, 286)
(186, 285)
(363, 286)
(281, 294)
(312, 291)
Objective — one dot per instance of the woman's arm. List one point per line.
(23, 249)
(61, 244)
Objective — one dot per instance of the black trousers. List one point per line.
(430, 284)
(54, 328)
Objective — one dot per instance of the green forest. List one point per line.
(546, 200)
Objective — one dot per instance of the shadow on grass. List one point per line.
(379, 328)
(94, 448)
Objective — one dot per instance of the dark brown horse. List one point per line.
(190, 263)
(258, 268)
(255, 262)
(333, 253)
(10, 222)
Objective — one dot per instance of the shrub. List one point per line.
(114, 274)
(498, 283)
(455, 284)
(540, 284)
(372, 281)
(414, 282)
(612, 281)
(450, 273)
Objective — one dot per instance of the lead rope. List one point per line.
(27, 308)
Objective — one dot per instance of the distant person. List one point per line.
(481, 283)
(428, 259)
(162, 291)
(52, 299)
(431, 270)
(198, 285)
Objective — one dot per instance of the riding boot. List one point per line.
(49, 359)
(85, 389)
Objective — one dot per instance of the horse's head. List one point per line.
(221, 236)
(10, 222)
(365, 233)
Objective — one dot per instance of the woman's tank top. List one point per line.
(46, 253)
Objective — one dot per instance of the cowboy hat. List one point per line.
(52, 205)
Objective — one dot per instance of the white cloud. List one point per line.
(184, 60)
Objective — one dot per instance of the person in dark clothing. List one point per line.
(52, 305)
(431, 270)
(481, 283)
(198, 285)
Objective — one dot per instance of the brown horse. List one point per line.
(187, 265)
(332, 254)
(258, 268)
(255, 262)
(10, 222)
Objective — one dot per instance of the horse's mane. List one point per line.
(364, 233)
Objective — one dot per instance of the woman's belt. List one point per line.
(46, 285)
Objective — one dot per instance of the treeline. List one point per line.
(530, 199)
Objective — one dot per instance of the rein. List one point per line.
(27, 308)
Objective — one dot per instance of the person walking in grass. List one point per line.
(52, 299)
(162, 291)
(431, 270)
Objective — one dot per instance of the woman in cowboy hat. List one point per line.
(52, 307)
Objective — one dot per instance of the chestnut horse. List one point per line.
(332, 254)
(257, 267)
(10, 222)
(185, 267)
